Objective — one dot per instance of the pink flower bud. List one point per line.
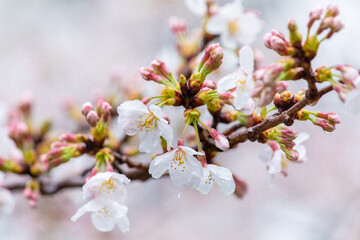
(333, 118)
(221, 141)
(276, 41)
(209, 84)
(349, 73)
(149, 75)
(180, 142)
(326, 23)
(213, 62)
(337, 25)
(145, 100)
(92, 118)
(332, 10)
(315, 14)
(207, 55)
(86, 108)
(68, 137)
(178, 26)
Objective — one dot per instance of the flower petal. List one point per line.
(102, 223)
(123, 224)
(166, 132)
(198, 7)
(149, 140)
(246, 60)
(216, 24)
(226, 83)
(160, 164)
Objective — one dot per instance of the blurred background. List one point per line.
(63, 49)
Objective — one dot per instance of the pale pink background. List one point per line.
(69, 48)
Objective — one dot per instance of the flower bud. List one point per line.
(221, 141)
(315, 14)
(211, 60)
(86, 108)
(191, 115)
(178, 26)
(323, 74)
(349, 74)
(283, 101)
(311, 46)
(295, 36)
(332, 10)
(276, 41)
(32, 191)
(92, 118)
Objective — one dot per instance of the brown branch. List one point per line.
(272, 121)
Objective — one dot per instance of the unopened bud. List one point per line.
(323, 74)
(86, 108)
(211, 60)
(276, 41)
(221, 141)
(315, 14)
(178, 26)
(92, 118)
(311, 46)
(349, 73)
(332, 10)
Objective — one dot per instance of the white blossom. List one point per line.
(107, 194)
(135, 117)
(7, 201)
(214, 174)
(198, 7)
(234, 25)
(352, 101)
(105, 214)
(275, 159)
(242, 80)
(181, 164)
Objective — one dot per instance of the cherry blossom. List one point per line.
(107, 194)
(135, 117)
(214, 174)
(181, 164)
(234, 25)
(352, 101)
(198, 7)
(243, 82)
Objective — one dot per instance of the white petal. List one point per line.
(123, 224)
(241, 98)
(7, 202)
(149, 140)
(229, 41)
(302, 137)
(166, 132)
(102, 223)
(301, 149)
(232, 10)
(181, 176)
(226, 83)
(246, 60)
(352, 102)
(249, 26)
(130, 115)
(249, 107)
(222, 143)
(198, 7)
(88, 207)
(160, 164)
(216, 24)
(157, 111)
(275, 164)
(224, 178)
(190, 151)
(205, 185)
(265, 154)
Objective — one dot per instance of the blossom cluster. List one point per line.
(252, 101)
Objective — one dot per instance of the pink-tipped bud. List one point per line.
(337, 25)
(213, 55)
(221, 141)
(209, 84)
(213, 62)
(333, 118)
(68, 137)
(332, 10)
(86, 108)
(178, 26)
(181, 142)
(92, 118)
(145, 100)
(25, 103)
(92, 173)
(349, 73)
(106, 110)
(148, 75)
(325, 125)
(276, 41)
(315, 14)
(326, 23)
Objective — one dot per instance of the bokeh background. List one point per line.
(63, 49)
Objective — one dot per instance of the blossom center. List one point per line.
(108, 186)
(233, 27)
(241, 84)
(178, 161)
(210, 179)
(148, 122)
(104, 212)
